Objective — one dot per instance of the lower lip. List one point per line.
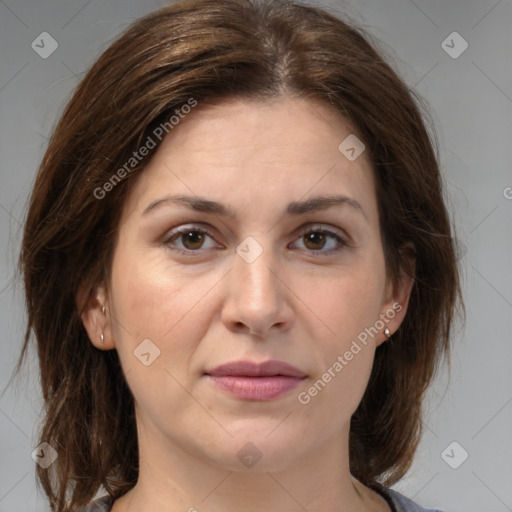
(256, 388)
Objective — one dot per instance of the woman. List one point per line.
(239, 269)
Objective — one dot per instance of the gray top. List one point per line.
(398, 502)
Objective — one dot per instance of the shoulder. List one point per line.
(403, 504)
(103, 504)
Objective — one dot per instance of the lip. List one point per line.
(256, 381)
(268, 368)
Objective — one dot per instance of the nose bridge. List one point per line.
(254, 270)
(256, 298)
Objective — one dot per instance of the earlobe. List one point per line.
(392, 317)
(399, 293)
(93, 312)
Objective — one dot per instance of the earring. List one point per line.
(387, 333)
(103, 309)
(102, 338)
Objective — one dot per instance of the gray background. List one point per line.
(471, 101)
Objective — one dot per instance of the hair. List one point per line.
(215, 50)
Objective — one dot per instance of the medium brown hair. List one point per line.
(211, 50)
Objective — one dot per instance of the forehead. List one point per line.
(295, 128)
(246, 152)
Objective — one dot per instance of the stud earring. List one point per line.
(103, 309)
(102, 338)
(387, 333)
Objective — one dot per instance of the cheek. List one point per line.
(346, 301)
(344, 367)
(145, 303)
(154, 299)
(348, 306)
(157, 327)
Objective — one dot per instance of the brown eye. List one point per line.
(314, 240)
(189, 239)
(192, 239)
(322, 242)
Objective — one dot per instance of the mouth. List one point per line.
(248, 380)
(270, 368)
(256, 388)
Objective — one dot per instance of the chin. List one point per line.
(258, 450)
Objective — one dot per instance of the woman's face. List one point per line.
(282, 276)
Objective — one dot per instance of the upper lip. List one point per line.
(254, 369)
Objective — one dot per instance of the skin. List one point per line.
(212, 306)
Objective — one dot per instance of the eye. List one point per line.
(191, 238)
(316, 238)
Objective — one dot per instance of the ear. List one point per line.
(90, 302)
(397, 294)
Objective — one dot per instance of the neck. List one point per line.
(177, 480)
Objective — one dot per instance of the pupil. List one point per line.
(193, 237)
(320, 237)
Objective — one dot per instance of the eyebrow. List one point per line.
(202, 204)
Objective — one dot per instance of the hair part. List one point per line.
(213, 50)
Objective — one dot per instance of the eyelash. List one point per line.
(175, 234)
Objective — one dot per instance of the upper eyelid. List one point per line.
(304, 228)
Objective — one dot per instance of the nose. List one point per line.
(257, 299)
